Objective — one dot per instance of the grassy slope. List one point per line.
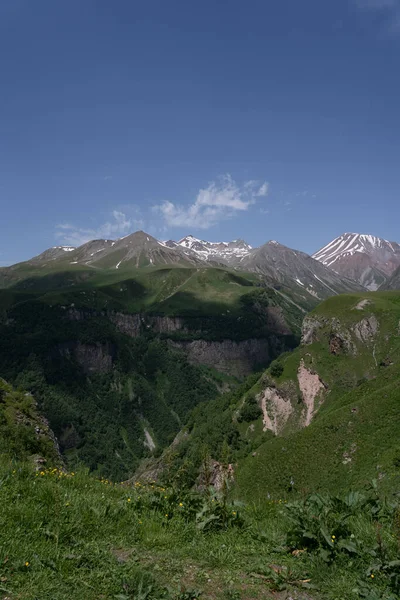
(359, 419)
(150, 386)
(67, 535)
(23, 431)
(168, 290)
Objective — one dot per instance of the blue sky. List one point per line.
(262, 119)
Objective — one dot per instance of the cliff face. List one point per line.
(233, 357)
(93, 358)
(228, 356)
(135, 325)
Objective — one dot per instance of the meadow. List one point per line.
(70, 535)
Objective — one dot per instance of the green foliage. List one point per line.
(210, 426)
(101, 420)
(67, 534)
(23, 432)
(250, 410)
(276, 368)
(353, 436)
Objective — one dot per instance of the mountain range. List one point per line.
(350, 262)
(139, 351)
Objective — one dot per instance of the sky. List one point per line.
(256, 119)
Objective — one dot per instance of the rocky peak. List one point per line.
(365, 258)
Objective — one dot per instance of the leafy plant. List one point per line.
(321, 524)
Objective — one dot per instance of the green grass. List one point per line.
(67, 535)
(173, 291)
(354, 434)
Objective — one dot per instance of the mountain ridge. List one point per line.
(274, 262)
(367, 259)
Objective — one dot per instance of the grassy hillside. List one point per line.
(67, 535)
(112, 398)
(170, 291)
(24, 433)
(355, 350)
(351, 353)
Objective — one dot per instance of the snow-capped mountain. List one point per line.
(274, 264)
(368, 259)
(226, 252)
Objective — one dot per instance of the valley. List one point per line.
(202, 394)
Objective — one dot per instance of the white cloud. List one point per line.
(218, 201)
(118, 226)
(263, 191)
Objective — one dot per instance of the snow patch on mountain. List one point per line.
(349, 244)
(65, 248)
(213, 250)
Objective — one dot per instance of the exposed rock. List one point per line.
(129, 324)
(149, 442)
(366, 329)
(362, 304)
(339, 339)
(336, 344)
(167, 324)
(311, 388)
(216, 475)
(276, 409)
(93, 358)
(228, 356)
(309, 330)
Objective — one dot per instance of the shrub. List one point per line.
(276, 368)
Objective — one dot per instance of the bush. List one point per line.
(276, 368)
(250, 410)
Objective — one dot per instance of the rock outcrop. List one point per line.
(311, 387)
(93, 358)
(276, 409)
(231, 357)
(228, 356)
(367, 329)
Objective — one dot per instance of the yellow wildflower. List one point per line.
(27, 564)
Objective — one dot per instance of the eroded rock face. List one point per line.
(311, 388)
(276, 409)
(93, 358)
(340, 339)
(128, 324)
(232, 357)
(135, 325)
(367, 329)
(228, 356)
(336, 344)
(309, 330)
